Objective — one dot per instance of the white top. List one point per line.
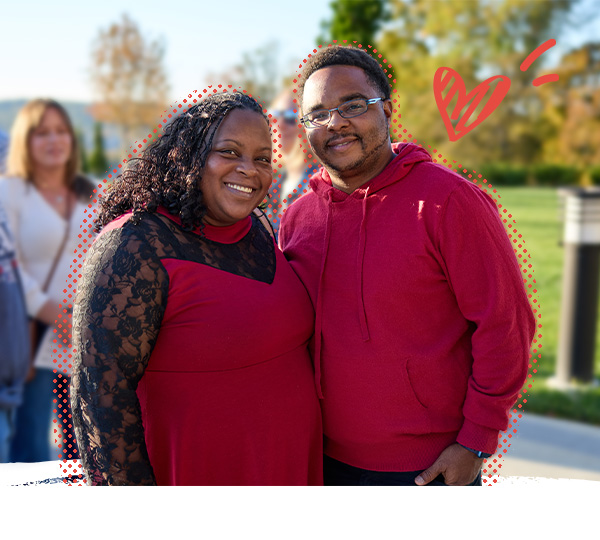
(38, 232)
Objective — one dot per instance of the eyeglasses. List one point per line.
(348, 109)
(287, 115)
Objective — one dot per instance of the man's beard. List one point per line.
(360, 160)
(348, 166)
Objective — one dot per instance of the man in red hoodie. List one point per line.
(423, 326)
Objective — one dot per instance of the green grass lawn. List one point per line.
(536, 213)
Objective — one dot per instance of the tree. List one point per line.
(98, 163)
(572, 108)
(257, 73)
(128, 78)
(354, 21)
(478, 39)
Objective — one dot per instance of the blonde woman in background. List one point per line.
(46, 201)
(295, 170)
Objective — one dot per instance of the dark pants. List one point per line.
(65, 432)
(336, 473)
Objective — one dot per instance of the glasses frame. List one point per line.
(287, 116)
(308, 124)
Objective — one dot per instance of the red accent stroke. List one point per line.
(551, 77)
(535, 54)
(446, 77)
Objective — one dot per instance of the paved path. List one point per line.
(551, 448)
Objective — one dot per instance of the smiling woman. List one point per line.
(190, 328)
(237, 174)
(46, 201)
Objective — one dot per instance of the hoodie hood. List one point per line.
(407, 155)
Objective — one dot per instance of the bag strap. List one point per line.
(62, 245)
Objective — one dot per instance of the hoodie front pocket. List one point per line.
(411, 415)
(441, 389)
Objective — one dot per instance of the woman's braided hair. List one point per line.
(168, 172)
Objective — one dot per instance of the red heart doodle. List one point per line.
(446, 77)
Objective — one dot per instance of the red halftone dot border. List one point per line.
(72, 469)
(274, 204)
(62, 353)
(492, 465)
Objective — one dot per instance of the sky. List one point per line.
(45, 46)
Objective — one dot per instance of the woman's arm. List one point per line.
(117, 316)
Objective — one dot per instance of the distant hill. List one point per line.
(80, 116)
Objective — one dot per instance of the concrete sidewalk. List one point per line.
(545, 447)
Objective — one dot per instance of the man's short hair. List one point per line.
(337, 55)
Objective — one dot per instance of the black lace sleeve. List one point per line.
(120, 303)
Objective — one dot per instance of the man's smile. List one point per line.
(341, 143)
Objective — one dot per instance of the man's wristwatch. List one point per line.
(478, 453)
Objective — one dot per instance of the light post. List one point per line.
(581, 276)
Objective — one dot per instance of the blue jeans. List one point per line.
(34, 425)
(7, 431)
(34, 419)
(336, 473)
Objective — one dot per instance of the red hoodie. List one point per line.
(423, 326)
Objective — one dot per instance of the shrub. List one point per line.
(505, 174)
(581, 405)
(595, 175)
(549, 174)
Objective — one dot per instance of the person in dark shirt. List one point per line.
(14, 336)
(3, 151)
